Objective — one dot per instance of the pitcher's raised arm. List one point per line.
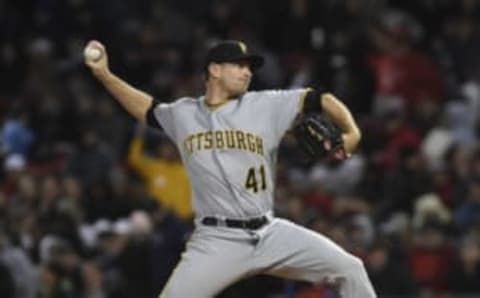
(134, 101)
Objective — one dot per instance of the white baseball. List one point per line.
(92, 54)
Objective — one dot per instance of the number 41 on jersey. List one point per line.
(256, 180)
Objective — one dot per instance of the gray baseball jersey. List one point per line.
(230, 155)
(230, 152)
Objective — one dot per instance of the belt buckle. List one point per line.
(222, 221)
(245, 224)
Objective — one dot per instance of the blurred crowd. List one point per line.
(92, 205)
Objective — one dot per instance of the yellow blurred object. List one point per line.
(166, 181)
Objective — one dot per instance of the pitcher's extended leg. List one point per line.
(291, 251)
(209, 265)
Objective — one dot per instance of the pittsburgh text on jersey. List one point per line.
(223, 139)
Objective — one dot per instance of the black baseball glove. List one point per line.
(320, 138)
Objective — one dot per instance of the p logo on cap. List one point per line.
(232, 51)
(243, 47)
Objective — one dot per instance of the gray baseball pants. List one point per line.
(217, 257)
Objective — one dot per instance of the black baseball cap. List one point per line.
(233, 51)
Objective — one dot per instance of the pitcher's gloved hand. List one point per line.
(320, 138)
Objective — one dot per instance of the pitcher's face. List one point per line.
(235, 77)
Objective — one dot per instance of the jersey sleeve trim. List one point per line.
(151, 119)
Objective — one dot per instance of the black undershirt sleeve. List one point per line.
(312, 102)
(151, 120)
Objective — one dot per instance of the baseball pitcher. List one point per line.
(228, 140)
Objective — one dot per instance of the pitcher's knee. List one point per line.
(353, 270)
(352, 265)
(357, 279)
(358, 264)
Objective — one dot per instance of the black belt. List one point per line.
(248, 224)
